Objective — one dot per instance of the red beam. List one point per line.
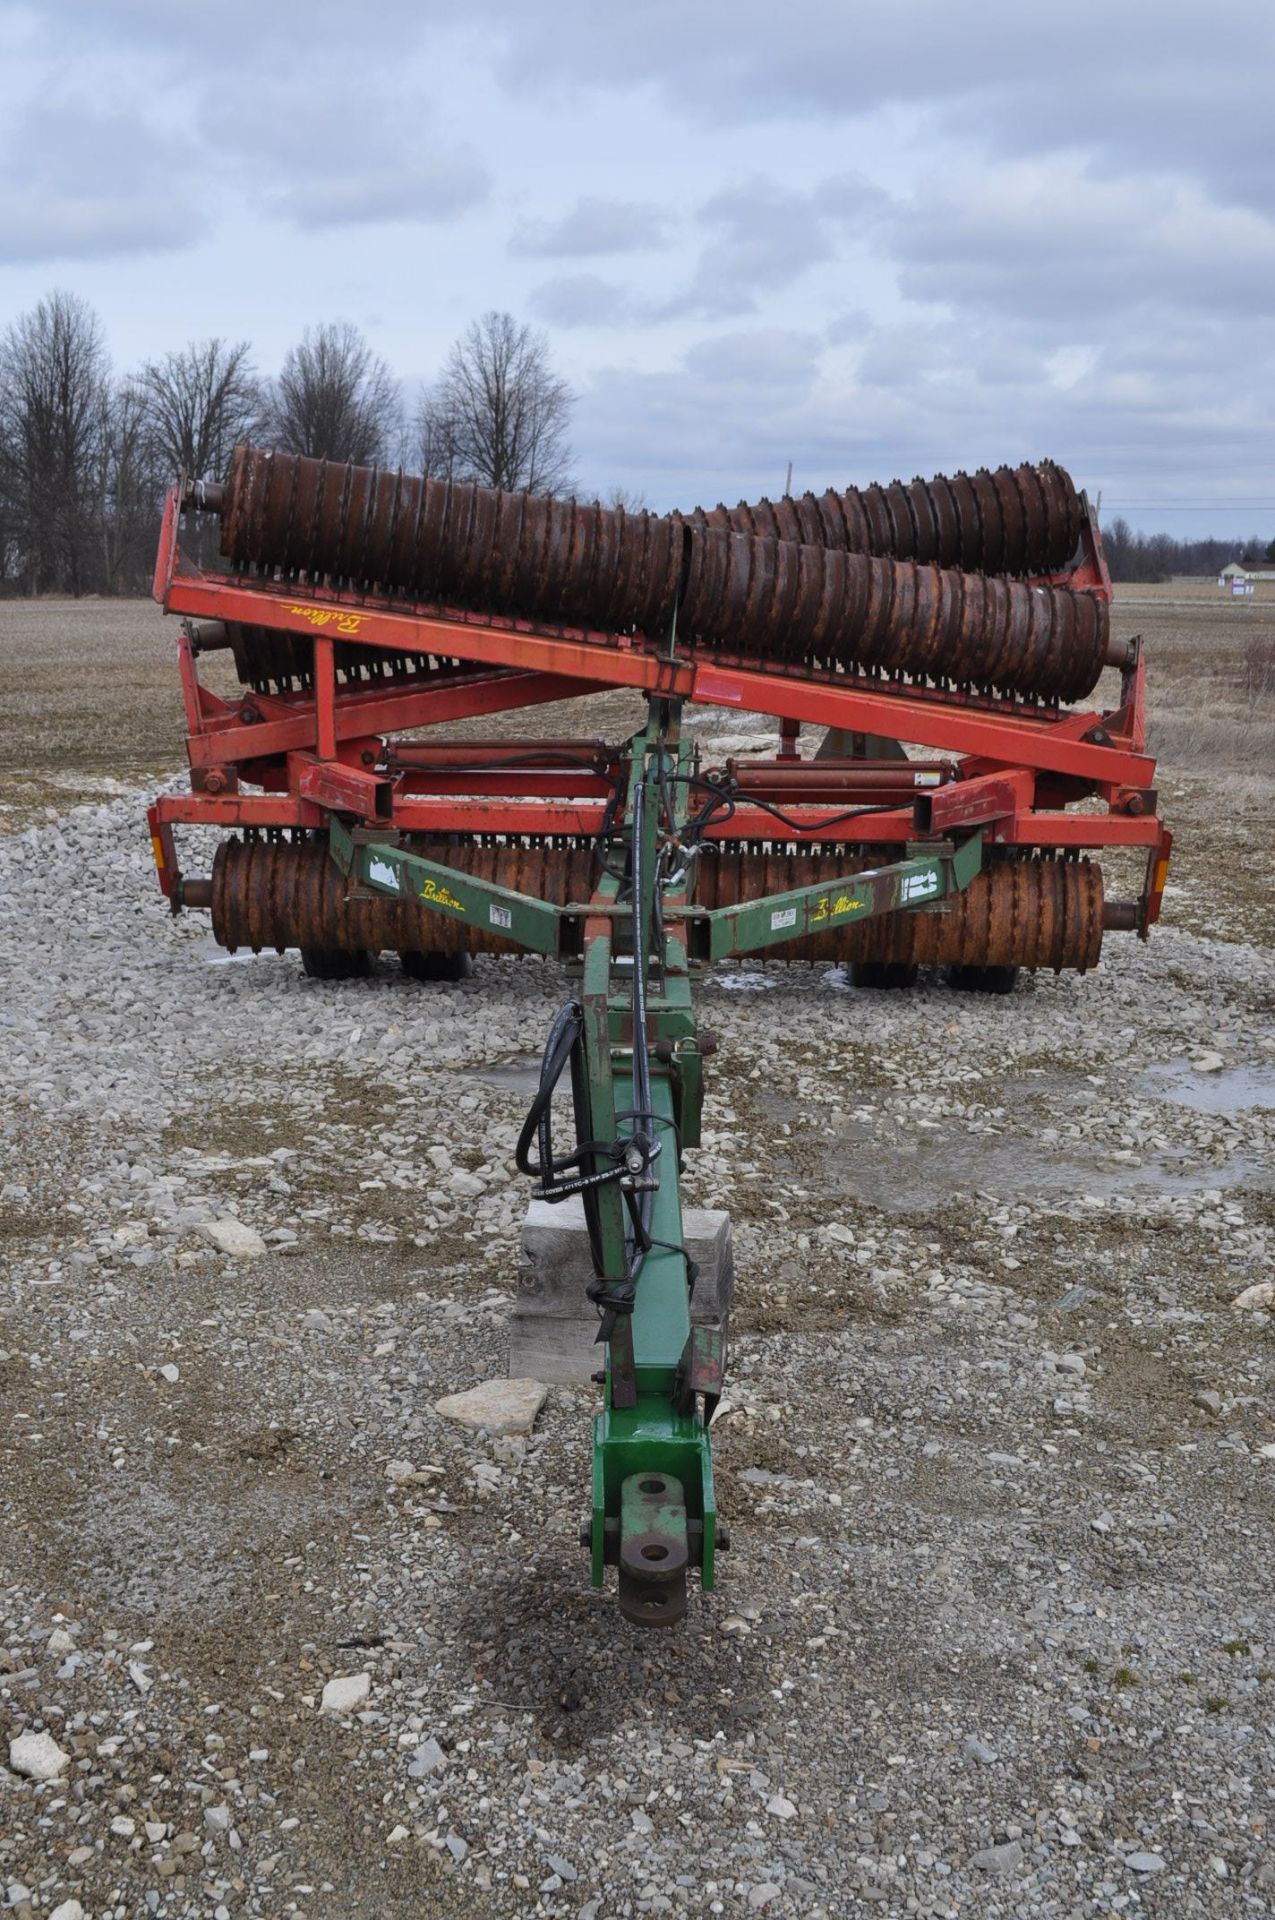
(329, 783)
(1008, 739)
(532, 783)
(325, 695)
(976, 803)
(424, 700)
(525, 752)
(1016, 739)
(1054, 829)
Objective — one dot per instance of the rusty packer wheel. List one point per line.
(1021, 911)
(826, 604)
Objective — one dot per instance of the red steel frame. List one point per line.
(1018, 768)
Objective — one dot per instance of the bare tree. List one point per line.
(630, 499)
(499, 414)
(200, 402)
(130, 473)
(53, 388)
(434, 442)
(10, 546)
(335, 399)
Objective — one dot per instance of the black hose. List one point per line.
(562, 1045)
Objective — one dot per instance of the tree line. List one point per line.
(1149, 557)
(86, 454)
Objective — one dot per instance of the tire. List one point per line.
(325, 963)
(882, 975)
(983, 979)
(419, 965)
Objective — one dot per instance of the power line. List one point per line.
(1193, 506)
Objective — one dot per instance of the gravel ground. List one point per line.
(998, 1454)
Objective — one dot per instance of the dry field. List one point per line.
(993, 1637)
(89, 702)
(1211, 694)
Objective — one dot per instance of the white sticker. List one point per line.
(500, 916)
(919, 886)
(786, 917)
(381, 875)
(929, 779)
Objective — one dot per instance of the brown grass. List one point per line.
(1210, 674)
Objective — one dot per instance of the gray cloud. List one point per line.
(395, 170)
(1181, 406)
(763, 236)
(224, 32)
(592, 227)
(780, 357)
(88, 185)
(709, 427)
(1179, 83)
(581, 300)
(1059, 243)
(423, 186)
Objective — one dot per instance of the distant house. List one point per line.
(1236, 578)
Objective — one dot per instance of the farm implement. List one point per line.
(364, 610)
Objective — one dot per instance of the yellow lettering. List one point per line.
(432, 891)
(324, 616)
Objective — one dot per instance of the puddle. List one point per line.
(909, 1171)
(910, 1175)
(520, 1075)
(1235, 1090)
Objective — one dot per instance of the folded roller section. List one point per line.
(777, 600)
(1014, 520)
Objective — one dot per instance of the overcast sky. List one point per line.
(872, 240)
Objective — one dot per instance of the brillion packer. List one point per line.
(967, 617)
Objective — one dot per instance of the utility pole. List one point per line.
(788, 483)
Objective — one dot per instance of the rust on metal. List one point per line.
(1018, 912)
(275, 894)
(270, 659)
(1017, 520)
(778, 600)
